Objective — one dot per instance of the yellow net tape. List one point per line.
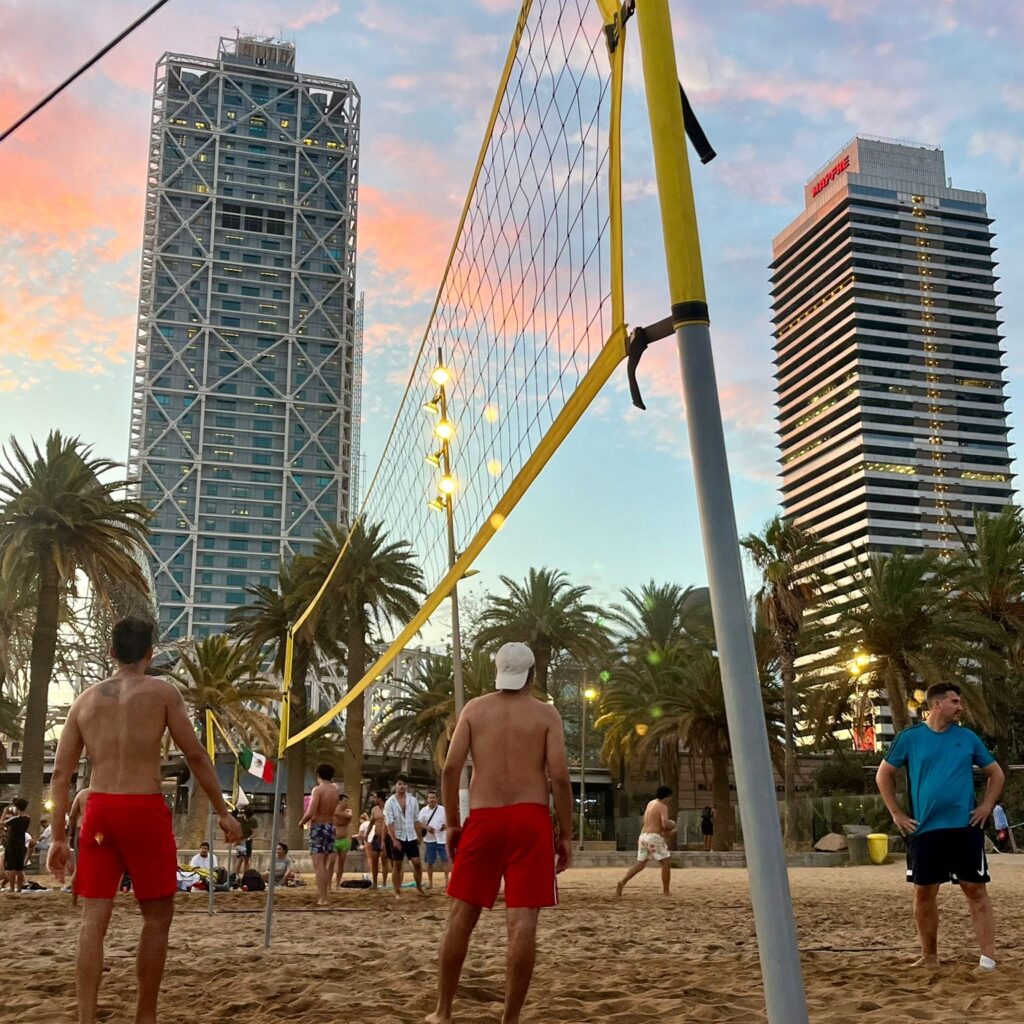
(528, 319)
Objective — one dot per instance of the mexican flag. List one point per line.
(256, 764)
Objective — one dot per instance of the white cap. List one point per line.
(513, 662)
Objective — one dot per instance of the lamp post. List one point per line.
(587, 694)
(444, 430)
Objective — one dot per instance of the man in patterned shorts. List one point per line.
(653, 842)
(320, 816)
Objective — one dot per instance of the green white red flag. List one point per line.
(256, 764)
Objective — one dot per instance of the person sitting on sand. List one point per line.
(204, 861)
(518, 750)
(320, 816)
(945, 841)
(120, 723)
(653, 842)
(283, 872)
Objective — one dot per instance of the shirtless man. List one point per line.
(518, 752)
(127, 825)
(320, 816)
(342, 844)
(653, 842)
(375, 849)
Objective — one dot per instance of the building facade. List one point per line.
(890, 382)
(243, 428)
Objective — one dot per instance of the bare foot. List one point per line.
(619, 888)
(437, 1018)
(928, 960)
(423, 892)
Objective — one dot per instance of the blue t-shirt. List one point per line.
(940, 767)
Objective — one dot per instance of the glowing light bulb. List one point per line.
(447, 484)
(590, 693)
(444, 429)
(440, 376)
(491, 413)
(640, 728)
(494, 467)
(436, 504)
(497, 521)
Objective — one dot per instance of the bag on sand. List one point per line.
(357, 883)
(253, 881)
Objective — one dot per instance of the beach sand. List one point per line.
(644, 958)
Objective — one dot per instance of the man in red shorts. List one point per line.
(518, 752)
(127, 826)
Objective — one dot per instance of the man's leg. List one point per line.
(149, 965)
(431, 857)
(666, 874)
(417, 873)
(926, 915)
(374, 865)
(522, 951)
(95, 918)
(631, 873)
(462, 919)
(322, 878)
(397, 874)
(981, 916)
(342, 856)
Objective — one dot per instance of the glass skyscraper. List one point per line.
(244, 426)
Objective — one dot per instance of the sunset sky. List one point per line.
(779, 85)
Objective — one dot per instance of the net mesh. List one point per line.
(525, 307)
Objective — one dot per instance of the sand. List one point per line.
(644, 958)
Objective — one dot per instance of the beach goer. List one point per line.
(343, 815)
(401, 813)
(375, 849)
(320, 816)
(435, 838)
(518, 750)
(945, 841)
(652, 846)
(360, 841)
(43, 846)
(204, 860)
(243, 851)
(284, 873)
(120, 723)
(707, 825)
(1002, 826)
(18, 845)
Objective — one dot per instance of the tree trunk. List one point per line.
(725, 825)
(789, 769)
(197, 821)
(295, 757)
(542, 654)
(355, 713)
(44, 647)
(668, 775)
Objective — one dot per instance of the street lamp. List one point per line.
(587, 695)
(447, 485)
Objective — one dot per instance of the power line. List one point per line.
(82, 70)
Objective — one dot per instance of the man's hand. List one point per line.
(454, 837)
(904, 823)
(981, 814)
(563, 851)
(57, 859)
(231, 827)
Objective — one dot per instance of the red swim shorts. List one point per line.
(126, 832)
(515, 843)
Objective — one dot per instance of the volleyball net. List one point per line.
(527, 324)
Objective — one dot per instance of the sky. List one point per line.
(779, 86)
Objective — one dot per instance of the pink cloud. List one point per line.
(320, 11)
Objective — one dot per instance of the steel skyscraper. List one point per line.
(243, 428)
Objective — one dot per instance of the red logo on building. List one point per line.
(831, 175)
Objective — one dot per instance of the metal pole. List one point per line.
(210, 878)
(583, 762)
(459, 690)
(769, 884)
(273, 856)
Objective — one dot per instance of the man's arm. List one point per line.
(885, 779)
(69, 752)
(199, 762)
(391, 813)
(458, 751)
(561, 788)
(312, 809)
(996, 778)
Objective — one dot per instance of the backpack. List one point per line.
(253, 881)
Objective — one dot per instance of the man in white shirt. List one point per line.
(204, 860)
(435, 843)
(402, 840)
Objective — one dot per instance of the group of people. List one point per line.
(509, 839)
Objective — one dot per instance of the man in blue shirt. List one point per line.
(945, 841)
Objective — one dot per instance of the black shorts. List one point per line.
(403, 848)
(14, 858)
(947, 855)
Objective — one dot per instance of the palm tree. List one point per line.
(377, 582)
(60, 517)
(217, 675)
(549, 614)
(654, 619)
(419, 717)
(263, 625)
(10, 724)
(784, 555)
(910, 630)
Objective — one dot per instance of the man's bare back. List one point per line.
(323, 801)
(656, 819)
(510, 739)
